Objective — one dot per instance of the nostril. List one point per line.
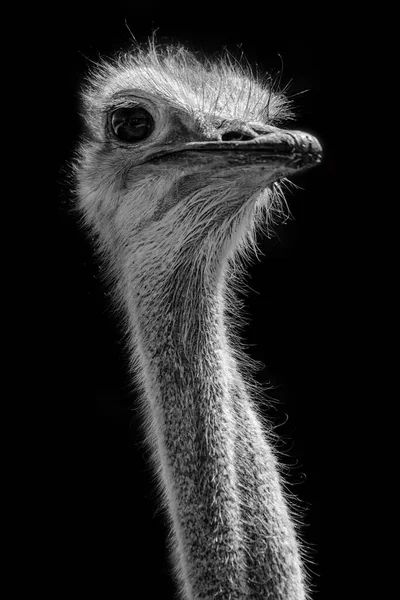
(229, 136)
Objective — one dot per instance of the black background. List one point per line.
(110, 515)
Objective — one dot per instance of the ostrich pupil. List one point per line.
(132, 124)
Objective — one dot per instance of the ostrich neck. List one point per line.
(233, 536)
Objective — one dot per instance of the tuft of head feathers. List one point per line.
(222, 86)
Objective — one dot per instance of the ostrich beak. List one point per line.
(279, 151)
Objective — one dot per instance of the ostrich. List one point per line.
(179, 165)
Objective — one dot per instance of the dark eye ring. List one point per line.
(132, 124)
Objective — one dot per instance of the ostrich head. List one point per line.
(181, 158)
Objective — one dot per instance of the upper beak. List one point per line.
(278, 150)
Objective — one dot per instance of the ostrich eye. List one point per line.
(132, 124)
